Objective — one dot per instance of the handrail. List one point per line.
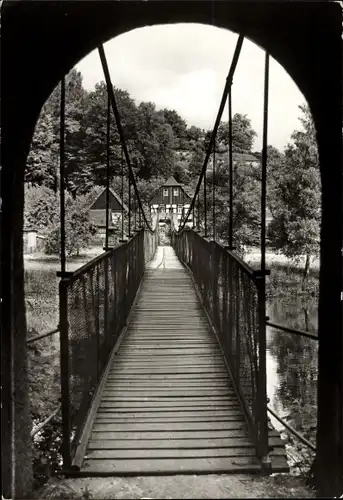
(43, 335)
(98, 258)
(293, 431)
(292, 330)
(229, 289)
(249, 270)
(39, 427)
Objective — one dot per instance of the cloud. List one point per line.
(184, 67)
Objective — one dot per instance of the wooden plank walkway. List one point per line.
(168, 406)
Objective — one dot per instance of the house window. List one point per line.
(179, 210)
(165, 192)
(176, 192)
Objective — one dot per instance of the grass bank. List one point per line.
(286, 275)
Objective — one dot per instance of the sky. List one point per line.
(184, 67)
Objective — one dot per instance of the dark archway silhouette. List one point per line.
(41, 41)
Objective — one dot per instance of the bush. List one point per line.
(43, 213)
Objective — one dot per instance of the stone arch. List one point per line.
(41, 41)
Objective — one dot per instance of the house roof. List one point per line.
(171, 182)
(98, 191)
(244, 157)
(238, 156)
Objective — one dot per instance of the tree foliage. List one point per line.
(242, 134)
(42, 212)
(296, 204)
(160, 144)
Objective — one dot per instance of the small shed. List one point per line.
(30, 240)
(97, 209)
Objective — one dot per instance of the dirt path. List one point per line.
(182, 487)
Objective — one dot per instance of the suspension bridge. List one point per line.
(163, 350)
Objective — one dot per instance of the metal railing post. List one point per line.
(230, 172)
(261, 283)
(106, 333)
(97, 320)
(205, 208)
(108, 131)
(262, 376)
(64, 370)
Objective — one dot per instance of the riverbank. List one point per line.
(286, 275)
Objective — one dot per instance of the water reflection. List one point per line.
(292, 363)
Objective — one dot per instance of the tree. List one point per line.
(42, 161)
(79, 230)
(296, 205)
(195, 134)
(76, 100)
(242, 134)
(197, 159)
(179, 127)
(41, 208)
(155, 142)
(42, 212)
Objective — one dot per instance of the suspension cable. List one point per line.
(129, 203)
(62, 176)
(120, 129)
(214, 193)
(264, 164)
(108, 132)
(227, 88)
(205, 205)
(230, 172)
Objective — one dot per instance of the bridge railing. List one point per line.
(231, 295)
(95, 301)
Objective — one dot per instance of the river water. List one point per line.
(292, 363)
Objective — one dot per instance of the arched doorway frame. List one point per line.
(42, 41)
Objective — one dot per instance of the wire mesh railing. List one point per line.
(231, 295)
(95, 302)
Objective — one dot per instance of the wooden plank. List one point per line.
(170, 363)
(200, 402)
(171, 427)
(175, 416)
(167, 370)
(185, 466)
(170, 453)
(182, 392)
(167, 435)
(112, 418)
(180, 444)
(138, 366)
(131, 453)
(163, 384)
(158, 357)
(168, 345)
(154, 342)
(153, 407)
(146, 336)
(136, 355)
(169, 328)
(171, 376)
